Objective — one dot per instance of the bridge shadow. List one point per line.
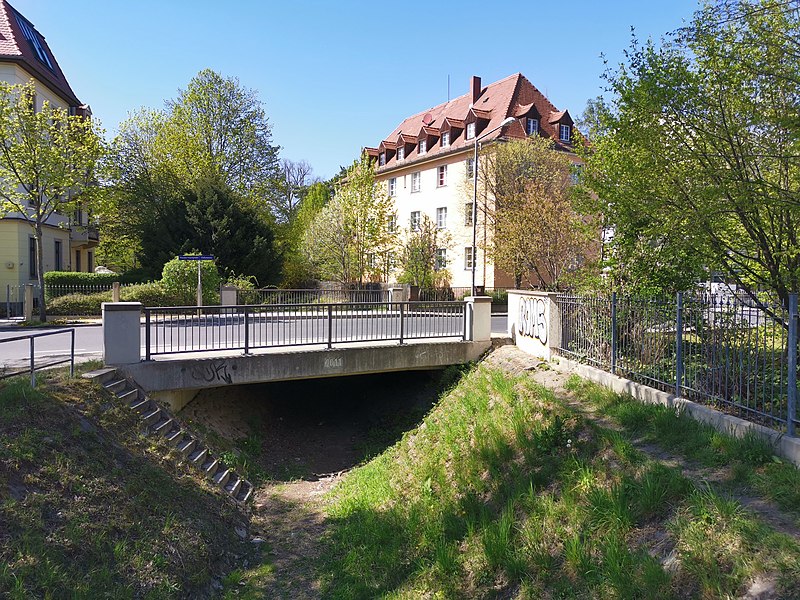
(311, 428)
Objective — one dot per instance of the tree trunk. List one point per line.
(40, 270)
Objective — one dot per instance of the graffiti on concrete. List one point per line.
(213, 371)
(532, 319)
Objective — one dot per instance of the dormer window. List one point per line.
(401, 153)
(531, 126)
(423, 147)
(33, 40)
(470, 130)
(382, 159)
(445, 139)
(564, 133)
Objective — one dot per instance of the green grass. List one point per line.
(89, 508)
(503, 491)
(751, 459)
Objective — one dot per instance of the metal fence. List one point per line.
(193, 329)
(310, 296)
(724, 352)
(30, 365)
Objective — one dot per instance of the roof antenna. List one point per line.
(448, 87)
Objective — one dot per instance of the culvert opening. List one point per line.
(311, 428)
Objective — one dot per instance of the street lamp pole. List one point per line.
(505, 123)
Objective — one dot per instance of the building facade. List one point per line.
(69, 239)
(427, 162)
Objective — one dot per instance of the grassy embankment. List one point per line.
(504, 491)
(91, 508)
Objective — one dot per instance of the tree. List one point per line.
(539, 236)
(291, 185)
(697, 160)
(297, 270)
(352, 228)
(47, 163)
(419, 254)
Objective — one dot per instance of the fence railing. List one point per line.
(719, 351)
(249, 327)
(310, 296)
(31, 366)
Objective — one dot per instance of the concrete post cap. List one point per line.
(121, 306)
(478, 299)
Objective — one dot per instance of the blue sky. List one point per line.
(337, 76)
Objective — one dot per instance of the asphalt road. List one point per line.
(89, 338)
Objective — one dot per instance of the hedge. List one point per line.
(73, 278)
(149, 294)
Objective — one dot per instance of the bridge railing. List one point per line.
(248, 327)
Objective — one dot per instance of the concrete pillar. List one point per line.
(397, 294)
(228, 296)
(534, 322)
(27, 307)
(122, 338)
(479, 318)
(115, 291)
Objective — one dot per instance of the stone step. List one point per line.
(163, 426)
(100, 376)
(211, 467)
(222, 476)
(175, 436)
(154, 416)
(234, 485)
(186, 446)
(129, 395)
(116, 386)
(198, 456)
(245, 491)
(141, 406)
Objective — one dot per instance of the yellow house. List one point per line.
(68, 240)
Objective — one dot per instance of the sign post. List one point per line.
(197, 258)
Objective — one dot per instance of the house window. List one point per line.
(414, 220)
(30, 35)
(415, 181)
(59, 260)
(442, 172)
(470, 130)
(468, 258)
(470, 168)
(423, 146)
(441, 217)
(382, 159)
(531, 126)
(441, 259)
(32, 257)
(77, 261)
(371, 260)
(90, 262)
(564, 133)
(445, 139)
(401, 153)
(392, 186)
(391, 224)
(468, 214)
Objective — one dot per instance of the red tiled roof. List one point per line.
(513, 96)
(15, 47)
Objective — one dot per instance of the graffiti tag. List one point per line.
(213, 371)
(532, 320)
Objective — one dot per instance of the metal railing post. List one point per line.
(679, 345)
(330, 325)
(33, 366)
(791, 400)
(402, 325)
(147, 333)
(72, 353)
(246, 331)
(613, 333)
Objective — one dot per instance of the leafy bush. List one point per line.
(179, 279)
(135, 276)
(71, 278)
(149, 294)
(78, 304)
(246, 284)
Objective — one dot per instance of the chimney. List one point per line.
(475, 88)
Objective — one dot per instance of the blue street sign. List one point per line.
(200, 257)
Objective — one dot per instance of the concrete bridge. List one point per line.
(187, 349)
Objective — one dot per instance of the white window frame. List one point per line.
(422, 147)
(441, 217)
(531, 125)
(441, 176)
(416, 185)
(441, 259)
(445, 139)
(401, 153)
(391, 224)
(470, 131)
(382, 159)
(470, 167)
(468, 214)
(415, 220)
(392, 186)
(564, 133)
(468, 258)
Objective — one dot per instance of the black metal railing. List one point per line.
(310, 296)
(715, 350)
(182, 329)
(30, 364)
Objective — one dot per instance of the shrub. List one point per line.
(135, 276)
(179, 279)
(71, 278)
(78, 304)
(149, 294)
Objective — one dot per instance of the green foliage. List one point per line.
(73, 278)
(694, 155)
(418, 255)
(348, 235)
(179, 280)
(153, 293)
(78, 304)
